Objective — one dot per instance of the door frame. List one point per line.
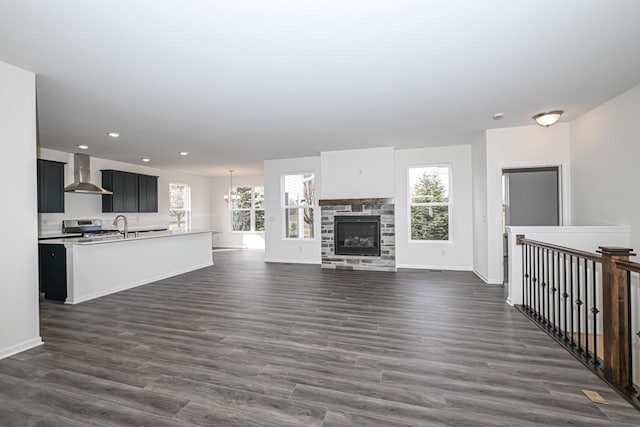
(564, 206)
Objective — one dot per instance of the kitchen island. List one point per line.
(94, 267)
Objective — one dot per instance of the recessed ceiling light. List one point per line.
(146, 160)
(498, 116)
(183, 153)
(83, 147)
(114, 134)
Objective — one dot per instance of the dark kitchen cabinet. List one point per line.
(147, 193)
(50, 186)
(124, 186)
(132, 192)
(52, 260)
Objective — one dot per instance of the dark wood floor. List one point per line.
(245, 343)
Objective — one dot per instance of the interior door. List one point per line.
(531, 197)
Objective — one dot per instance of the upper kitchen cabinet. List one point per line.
(132, 192)
(50, 186)
(147, 193)
(124, 186)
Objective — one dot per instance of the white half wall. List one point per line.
(587, 239)
(521, 147)
(605, 148)
(90, 205)
(277, 248)
(357, 174)
(221, 216)
(456, 254)
(19, 320)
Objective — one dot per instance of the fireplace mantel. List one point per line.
(340, 202)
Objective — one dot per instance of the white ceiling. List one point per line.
(237, 82)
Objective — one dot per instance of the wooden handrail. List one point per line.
(628, 265)
(569, 251)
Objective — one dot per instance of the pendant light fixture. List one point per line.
(547, 119)
(229, 195)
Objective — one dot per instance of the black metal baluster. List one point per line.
(553, 291)
(630, 387)
(524, 278)
(595, 311)
(543, 285)
(586, 311)
(573, 328)
(559, 286)
(546, 259)
(565, 295)
(529, 276)
(538, 282)
(578, 305)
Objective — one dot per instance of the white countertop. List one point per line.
(121, 239)
(53, 234)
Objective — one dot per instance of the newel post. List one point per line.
(615, 315)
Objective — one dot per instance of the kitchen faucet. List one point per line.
(126, 225)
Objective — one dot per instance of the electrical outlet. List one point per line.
(443, 253)
(300, 248)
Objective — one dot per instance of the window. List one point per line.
(179, 206)
(298, 204)
(247, 209)
(429, 202)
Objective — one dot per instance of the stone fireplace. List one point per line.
(358, 234)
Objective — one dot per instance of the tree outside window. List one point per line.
(429, 202)
(247, 209)
(299, 205)
(179, 206)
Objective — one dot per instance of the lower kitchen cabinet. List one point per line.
(52, 260)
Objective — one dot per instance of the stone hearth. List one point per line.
(385, 208)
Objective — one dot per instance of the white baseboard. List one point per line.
(485, 280)
(434, 267)
(292, 261)
(94, 295)
(19, 348)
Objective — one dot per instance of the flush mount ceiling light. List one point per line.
(547, 119)
(83, 147)
(114, 134)
(145, 159)
(497, 116)
(183, 153)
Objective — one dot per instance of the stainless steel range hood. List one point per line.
(81, 177)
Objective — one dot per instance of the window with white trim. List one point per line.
(247, 209)
(179, 206)
(299, 205)
(430, 203)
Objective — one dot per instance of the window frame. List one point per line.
(252, 210)
(186, 209)
(284, 207)
(449, 204)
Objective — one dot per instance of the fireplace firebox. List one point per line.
(357, 235)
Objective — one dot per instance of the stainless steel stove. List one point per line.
(90, 228)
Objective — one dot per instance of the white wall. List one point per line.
(90, 205)
(525, 146)
(456, 254)
(605, 153)
(220, 215)
(19, 321)
(277, 248)
(479, 185)
(353, 174)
